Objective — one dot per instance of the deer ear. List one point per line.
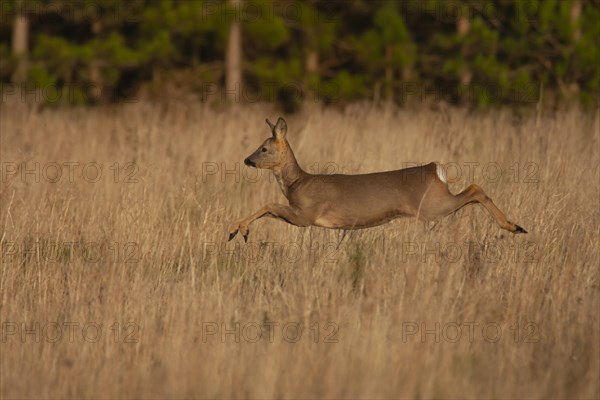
(271, 125)
(280, 129)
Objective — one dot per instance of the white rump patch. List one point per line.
(440, 172)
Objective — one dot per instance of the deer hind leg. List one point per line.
(475, 194)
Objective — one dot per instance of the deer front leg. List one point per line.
(288, 214)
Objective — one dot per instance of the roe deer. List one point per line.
(357, 201)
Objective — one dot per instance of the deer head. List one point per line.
(274, 153)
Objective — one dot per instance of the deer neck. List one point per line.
(288, 172)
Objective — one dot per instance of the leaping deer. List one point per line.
(357, 201)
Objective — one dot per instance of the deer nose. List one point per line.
(249, 163)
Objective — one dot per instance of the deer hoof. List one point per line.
(244, 232)
(519, 229)
(241, 228)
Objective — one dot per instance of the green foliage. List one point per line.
(355, 48)
(357, 258)
(347, 86)
(265, 29)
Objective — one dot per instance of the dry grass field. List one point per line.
(117, 279)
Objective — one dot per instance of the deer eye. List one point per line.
(263, 149)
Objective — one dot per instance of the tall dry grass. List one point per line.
(461, 309)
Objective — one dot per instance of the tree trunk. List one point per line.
(312, 62)
(312, 71)
(575, 14)
(463, 26)
(573, 87)
(233, 61)
(95, 72)
(19, 42)
(389, 75)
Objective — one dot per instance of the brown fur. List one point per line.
(356, 201)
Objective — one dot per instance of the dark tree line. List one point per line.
(476, 51)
